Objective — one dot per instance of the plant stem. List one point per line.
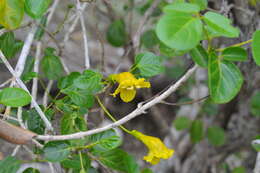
(110, 116)
(236, 45)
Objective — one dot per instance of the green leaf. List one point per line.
(81, 98)
(216, 136)
(51, 66)
(234, 54)
(14, 97)
(179, 31)
(71, 123)
(220, 25)
(196, 131)
(11, 14)
(255, 104)
(119, 160)
(149, 39)
(9, 45)
(74, 162)
(239, 170)
(105, 141)
(31, 170)
(36, 8)
(147, 170)
(182, 122)
(200, 56)
(9, 165)
(67, 81)
(28, 73)
(34, 121)
(148, 64)
(256, 47)
(116, 34)
(89, 81)
(203, 4)
(181, 7)
(225, 79)
(56, 151)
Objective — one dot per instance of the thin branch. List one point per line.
(46, 93)
(52, 10)
(84, 33)
(185, 103)
(257, 163)
(136, 38)
(6, 83)
(16, 149)
(22, 85)
(138, 111)
(19, 117)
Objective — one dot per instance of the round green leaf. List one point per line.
(200, 56)
(179, 31)
(182, 122)
(11, 13)
(216, 136)
(255, 104)
(181, 7)
(148, 64)
(220, 25)
(196, 131)
(225, 79)
(149, 39)
(9, 45)
(116, 34)
(56, 151)
(36, 8)
(14, 97)
(234, 54)
(256, 47)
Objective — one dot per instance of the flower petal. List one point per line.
(127, 95)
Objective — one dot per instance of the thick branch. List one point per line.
(138, 111)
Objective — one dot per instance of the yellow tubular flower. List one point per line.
(128, 85)
(157, 149)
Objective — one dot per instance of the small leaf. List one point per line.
(9, 45)
(181, 7)
(220, 24)
(11, 14)
(9, 165)
(31, 170)
(255, 104)
(40, 30)
(116, 34)
(56, 151)
(148, 64)
(201, 3)
(216, 136)
(225, 79)
(105, 141)
(51, 66)
(256, 47)
(182, 122)
(179, 31)
(119, 160)
(200, 56)
(14, 97)
(239, 170)
(234, 54)
(149, 39)
(74, 162)
(196, 131)
(36, 8)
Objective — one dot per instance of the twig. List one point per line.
(16, 149)
(36, 70)
(19, 117)
(46, 93)
(136, 112)
(22, 85)
(6, 83)
(25, 51)
(257, 163)
(136, 38)
(82, 22)
(184, 103)
(52, 10)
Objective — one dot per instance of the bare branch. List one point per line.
(136, 112)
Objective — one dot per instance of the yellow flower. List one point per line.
(128, 85)
(157, 149)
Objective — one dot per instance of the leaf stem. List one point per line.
(111, 116)
(236, 45)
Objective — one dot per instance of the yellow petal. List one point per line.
(140, 83)
(127, 95)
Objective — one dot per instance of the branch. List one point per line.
(138, 111)
(22, 85)
(257, 162)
